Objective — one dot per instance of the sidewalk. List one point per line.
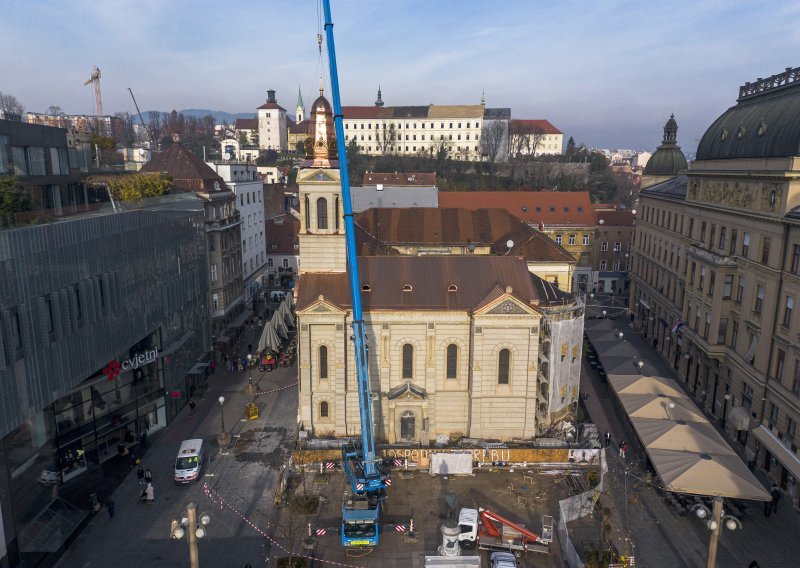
(244, 472)
(662, 537)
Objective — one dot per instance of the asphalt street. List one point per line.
(244, 473)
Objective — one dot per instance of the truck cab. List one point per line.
(360, 526)
(468, 523)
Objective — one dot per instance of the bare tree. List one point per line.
(55, 110)
(518, 143)
(494, 138)
(535, 138)
(386, 138)
(10, 105)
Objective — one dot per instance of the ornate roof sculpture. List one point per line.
(321, 142)
(668, 159)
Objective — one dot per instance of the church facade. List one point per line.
(472, 346)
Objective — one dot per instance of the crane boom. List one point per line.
(141, 118)
(361, 510)
(370, 470)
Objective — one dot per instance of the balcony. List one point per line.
(710, 257)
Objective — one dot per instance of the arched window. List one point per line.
(323, 362)
(308, 213)
(323, 409)
(452, 361)
(408, 361)
(503, 365)
(322, 213)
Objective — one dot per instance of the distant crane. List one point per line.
(98, 100)
(141, 119)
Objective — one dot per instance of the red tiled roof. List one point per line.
(531, 126)
(271, 105)
(474, 277)
(299, 128)
(246, 124)
(188, 172)
(281, 232)
(615, 218)
(413, 178)
(553, 208)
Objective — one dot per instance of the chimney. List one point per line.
(271, 96)
(176, 137)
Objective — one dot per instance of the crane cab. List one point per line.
(360, 527)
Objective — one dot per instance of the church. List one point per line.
(459, 346)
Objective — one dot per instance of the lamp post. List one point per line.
(223, 436)
(714, 524)
(194, 530)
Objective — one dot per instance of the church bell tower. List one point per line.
(322, 239)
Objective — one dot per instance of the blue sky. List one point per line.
(608, 73)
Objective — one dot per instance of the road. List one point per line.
(244, 474)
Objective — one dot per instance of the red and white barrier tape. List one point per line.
(277, 389)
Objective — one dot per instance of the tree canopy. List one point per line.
(138, 186)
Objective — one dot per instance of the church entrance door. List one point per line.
(408, 425)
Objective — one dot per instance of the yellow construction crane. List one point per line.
(98, 101)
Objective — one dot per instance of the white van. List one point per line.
(189, 461)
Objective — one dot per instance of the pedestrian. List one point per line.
(213, 366)
(149, 493)
(192, 405)
(776, 496)
(140, 474)
(753, 564)
(622, 448)
(608, 438)
(148, 477)
(110, 506)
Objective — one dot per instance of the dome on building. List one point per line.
(765, 122)
(321, 142)
(668, 159)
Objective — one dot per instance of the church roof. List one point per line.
(444, 227)
(668, 159)
(188, 172)
(764, 123)
(553, 208)
(433, 283)
(271, 106)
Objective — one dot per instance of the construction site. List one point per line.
(447, 506)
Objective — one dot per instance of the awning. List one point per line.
(788, 459)
(738, 418)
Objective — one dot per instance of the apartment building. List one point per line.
(716, 273)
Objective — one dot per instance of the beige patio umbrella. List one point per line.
(286, 313)
(655, 406)
(639, 384)
(269, 339)
(724, 475)
(279, 325)
(697, 437)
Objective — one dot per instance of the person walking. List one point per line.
(149, 494)
(148, 477)
(140, 474)
(213, 366)
(192, 406)
(776, 496)
(608, 438)
(110, 506)
(622, 448)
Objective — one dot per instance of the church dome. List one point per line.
(668, 159)
(321, 142)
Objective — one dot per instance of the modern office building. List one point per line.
(103, 322)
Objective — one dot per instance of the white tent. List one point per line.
(279, 325)
(269, 339)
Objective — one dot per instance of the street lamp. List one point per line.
(716, 519)
(194, 530)
(223, 436)
(604, 314)
(619, 335)
(640, 364)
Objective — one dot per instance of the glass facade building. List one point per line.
(103, 320)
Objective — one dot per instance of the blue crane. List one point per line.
(361, 508)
